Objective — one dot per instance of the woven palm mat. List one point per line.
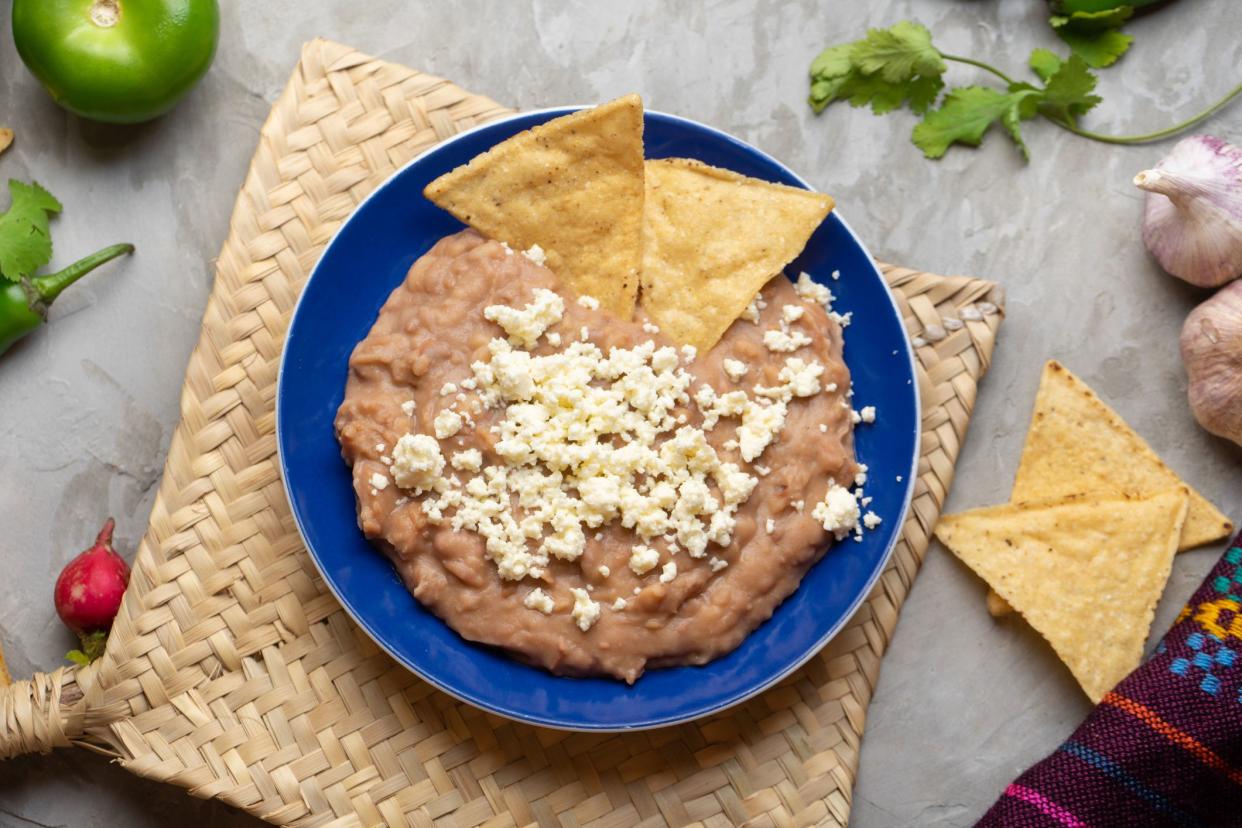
(233, 672)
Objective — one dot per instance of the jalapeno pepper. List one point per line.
(24, 304)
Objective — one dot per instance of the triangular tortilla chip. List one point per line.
(573, 186)
(711, 239)
(1086, 574)
(1078, 444)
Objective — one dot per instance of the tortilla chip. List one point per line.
(1076, 444)
(573, 186)
(711, 239)
(1085, 573)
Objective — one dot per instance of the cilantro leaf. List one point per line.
(1045, 63)
(918, 93)
(899, 53)
(25, 240)
(886, 70)
(1067, 93)
(1099, 47)
(1092, 22)
(965, 116)
(830, 70)
(1100, 50)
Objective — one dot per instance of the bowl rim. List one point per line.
(907, 500)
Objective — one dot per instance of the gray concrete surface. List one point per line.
(963, 702)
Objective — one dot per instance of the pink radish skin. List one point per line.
(89, 589)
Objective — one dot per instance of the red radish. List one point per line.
(88, 592)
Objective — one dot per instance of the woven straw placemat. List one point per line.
(233, 672)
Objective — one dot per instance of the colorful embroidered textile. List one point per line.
(1165, 746)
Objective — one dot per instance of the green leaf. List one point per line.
(898, 53)
(829, 71)
(25, 241)
(1067, 93)
(863, 90)
(77, 657)
(1028, 107)
(1092, 22)
(886, 70)
(1011, 120)
(92, 648)
(1099, 49)
(1045, 63)
(966, 115)
(833, 62)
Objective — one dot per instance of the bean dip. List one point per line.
(616, 603)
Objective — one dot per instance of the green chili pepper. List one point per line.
(24, 304)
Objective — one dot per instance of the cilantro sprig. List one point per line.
(25, 239)
(900, 67)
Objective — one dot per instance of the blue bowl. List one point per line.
(369, 257)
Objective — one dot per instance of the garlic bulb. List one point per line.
(1212, 354)
(1193, 220)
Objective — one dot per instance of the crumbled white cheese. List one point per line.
(785, 341)
(447, 423)
(717, 564)
(417, 462)
(792, 313)
(407, 408)
(842, 319)
(604, 571)
(855, 417)
(535, 254)
(379, 481)
(539, 600)
(735, 369)
(770, 526)
(469, 383)
(689, 352)
(643, 559)
(668, 572)
(525, 326)
(813, 291)
(588, 302)
(554, 339)
(823, 428)
(650, 328)
(836, 274)
(380, 447)
(867, 414)
(798, 505)
(585, 612)
(468, 460)
(619, 604)
(860, 478)
(448, 388)
(751, 314)
(838, 511)
(798, 379)
(761, 423)
(583, 333)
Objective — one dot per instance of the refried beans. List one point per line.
(417, 361)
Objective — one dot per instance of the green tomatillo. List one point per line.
(120, 61)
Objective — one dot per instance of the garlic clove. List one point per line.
(1211, 345)
(1193, 220)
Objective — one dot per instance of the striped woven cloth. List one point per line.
(1165, 746)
